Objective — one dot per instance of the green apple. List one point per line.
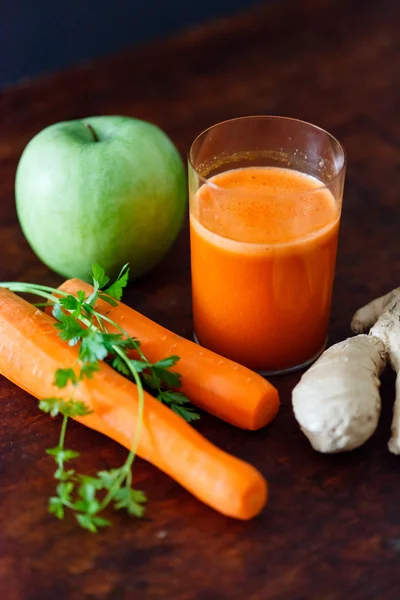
(110, 190)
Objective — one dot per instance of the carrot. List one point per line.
(215, 384)
(30, 353)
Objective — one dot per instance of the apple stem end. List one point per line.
(93, 132)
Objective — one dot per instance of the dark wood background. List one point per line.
(332, 526)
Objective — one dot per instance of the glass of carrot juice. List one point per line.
(265, 203)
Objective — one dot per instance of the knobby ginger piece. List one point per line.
(337, 401)
(387, 329)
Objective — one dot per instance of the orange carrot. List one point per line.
(30, 353)
(218, 385)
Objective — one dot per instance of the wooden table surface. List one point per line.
(332, 526)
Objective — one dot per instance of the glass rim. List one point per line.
(269, 117)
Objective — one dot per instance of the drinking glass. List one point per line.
(265, 204)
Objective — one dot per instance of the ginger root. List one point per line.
(387, 329)
(337, 401)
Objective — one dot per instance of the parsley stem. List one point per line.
(126, 469)
(33, 288)
(102, 317)
(40, 304)
(63, 431)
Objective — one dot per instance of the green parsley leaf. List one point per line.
(131, 500)
(179, 403)
(74, 408)
(56, 507)
(106, 298)
(64, 491)
(89, 369)
(99, 276)
(169, 378)
(100, 522)
(166, 363)
(70, 329)
(69, 408)
(152, 380)
(81, 296)
(95, 482)
(107, 479)
(62, 455)
(57, 311)
(139, 365)
(87, 492)
(69, 302)
(63, 475)
(63, 376)
(92, 347)
(73, 303)
(51, 405)
(88, 310)
(89, 508)
(100, 280)
(189, 414)
(91, 523)
(132, 343)
(120, 366)
(113, 339)
(115, 290)
(127, 343)
(174, 398)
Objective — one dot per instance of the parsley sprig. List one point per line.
(78, 322)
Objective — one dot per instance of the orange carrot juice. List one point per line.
(263, 251)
